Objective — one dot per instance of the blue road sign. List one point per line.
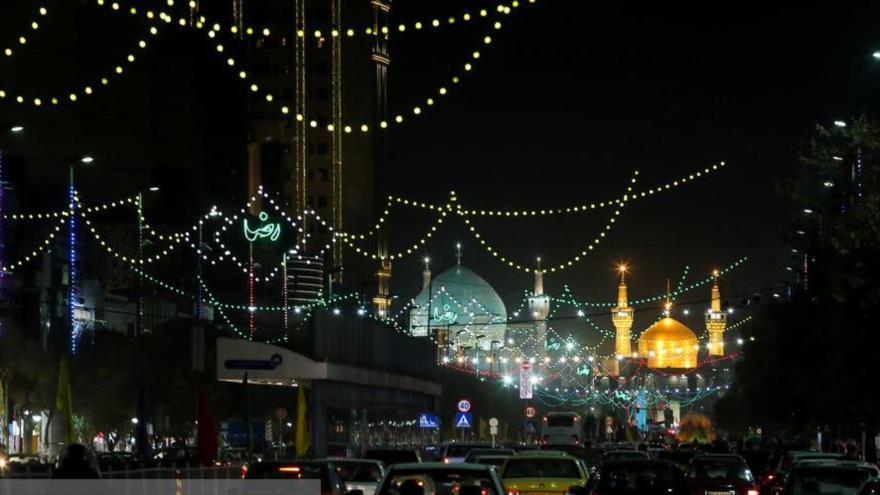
(429, 420)
(463, 420)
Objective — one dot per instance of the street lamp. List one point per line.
(876, 55)
(16, 128)
(840, 123)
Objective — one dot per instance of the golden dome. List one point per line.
(669, 344)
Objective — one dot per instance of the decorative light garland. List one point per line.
(73, 95)
(22, 40)
(11, 267)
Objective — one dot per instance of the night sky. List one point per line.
(568, 101)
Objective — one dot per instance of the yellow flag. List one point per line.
(64, 401)
(302, 428)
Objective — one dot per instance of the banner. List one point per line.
(525, 381)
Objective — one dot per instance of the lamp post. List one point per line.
(72, 299)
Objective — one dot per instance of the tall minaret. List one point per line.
(716, 321)
(382, 301)
(426, 275)
(622, 317)
(539, 307)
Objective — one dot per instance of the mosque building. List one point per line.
(461, 311)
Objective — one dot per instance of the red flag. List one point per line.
(207, 433)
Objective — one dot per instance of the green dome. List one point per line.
(462, 300)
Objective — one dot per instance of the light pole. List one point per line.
(72, 300)
(139, 305)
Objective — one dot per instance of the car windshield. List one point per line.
(827, 481)
(292, 471)
(676, 457)
(497, 461)
(458, 450)
(719, 469)
(541, 468)
(390, 457)
(560, 421)
(624, 454)
(368, 472)
(637, 479)
(439, 482)
(479, 452)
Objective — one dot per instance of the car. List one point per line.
(720, 473)
(840, 462)
(429, 478)
(544, 474)
(639, 477)
(489, 460)
(870, 488)
(542, 452)
(390, 456)
(324, 471)
(775, 480)
(456, 452)
(680, 458)
(483, 452)
(359, 474)
(831, 478)
(618, 455)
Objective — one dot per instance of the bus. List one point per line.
(561, 428)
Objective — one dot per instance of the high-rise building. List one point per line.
(330, 82)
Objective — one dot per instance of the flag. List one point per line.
(207, 431)
(247, 414)
(302, 433)
(142, 439)
(64, 401)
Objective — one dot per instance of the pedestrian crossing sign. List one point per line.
(463, 420)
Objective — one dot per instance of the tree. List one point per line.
(814, 359)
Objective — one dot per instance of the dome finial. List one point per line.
(458, 253)
(668, 305)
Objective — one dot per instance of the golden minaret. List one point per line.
(622, 317)
(716, 321)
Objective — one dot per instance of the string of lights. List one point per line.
(8, 269)
(574, 209)
(521, 266)
(22, 39)
(71, 96)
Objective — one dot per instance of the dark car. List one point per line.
(680, 458)
(489, 460)
(639, 477)
(456, 452)
(727, 474)
(390, 457)
(484, 452)
(823, 479)
(622, 455)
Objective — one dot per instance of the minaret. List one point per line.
(382, 301)
(539, 308)
(426, 275)
(716, 321)
(622, 317)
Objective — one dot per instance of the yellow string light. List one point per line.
(45, 243)
(73, 95)
(22, 39)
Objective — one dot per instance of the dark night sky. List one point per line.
(569, 99)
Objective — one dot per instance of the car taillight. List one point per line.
(445, 460)
(512, 491)
(243, 470)
(289, 469)
(753, 492)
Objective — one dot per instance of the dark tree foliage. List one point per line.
(816, 355)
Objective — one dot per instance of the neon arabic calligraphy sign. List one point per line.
(446, 317)
(269, 231)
